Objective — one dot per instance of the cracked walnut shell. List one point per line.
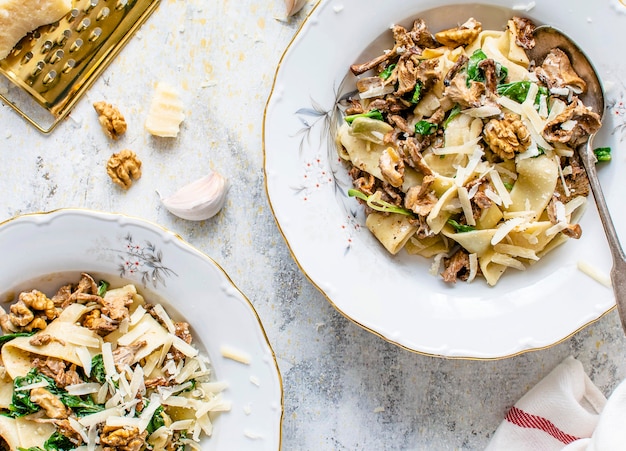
(111, 120)
(124, 167)
(507, 136)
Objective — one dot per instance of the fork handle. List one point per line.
(618, 271)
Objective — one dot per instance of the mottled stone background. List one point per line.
(345, 389)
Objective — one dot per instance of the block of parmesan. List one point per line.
(18, 17)
(166, 112)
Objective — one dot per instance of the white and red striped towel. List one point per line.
(564, 411)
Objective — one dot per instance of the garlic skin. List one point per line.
(199, 200)
(293, 6)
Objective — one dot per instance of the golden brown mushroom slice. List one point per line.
(556, 71)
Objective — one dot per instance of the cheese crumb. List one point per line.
(236, 355)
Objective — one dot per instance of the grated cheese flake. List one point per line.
(235, 354)
(505, 228)
(473, 262)
(466, 206)
(594, 273)
(99, 417)
(162, 314)
(184, 347)
(85, 358)
(503, 193)
(81, 389)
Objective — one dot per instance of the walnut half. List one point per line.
(124, 167)
(111, 120)
(507, 136)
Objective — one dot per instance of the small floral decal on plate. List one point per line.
(145, 261)
(320, 172)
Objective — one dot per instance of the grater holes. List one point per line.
(38, 68)
(27, 57)
(103, 13)
(92, 4)
(55, 57)
(49, 77)
(83, 25)
(69, 65)
(121, 4)
(46, 46)
(62, 39)
(95, 34)
(72, 15)
(77, 44)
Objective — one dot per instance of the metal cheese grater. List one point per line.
(52, 67)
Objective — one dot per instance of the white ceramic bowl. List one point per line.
(395, 297)
(47, 250)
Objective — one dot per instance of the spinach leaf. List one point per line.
(518, 91)
(8, 337)
(603, 153)
(156, 421)
(20, 402)
(97, 369)
(386, 73)
(372, 114)
(425, 128)
(474, 73)
(460, 228)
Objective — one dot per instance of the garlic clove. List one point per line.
(293, 6)
(198, 200)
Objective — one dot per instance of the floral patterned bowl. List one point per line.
(395, 297)
(47, 250)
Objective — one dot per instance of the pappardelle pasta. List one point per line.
(462, 150)
(94, 368)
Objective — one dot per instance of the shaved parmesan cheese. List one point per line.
(99, 417)
(504, 229)
(177, 401)
(436, 265)
(234, 354)
(107, 360)
(483, 111)
(473, 263)
(78, 335)
(206, 425)
(503, 193)
(376, 91)
(137, 315)
(83, 389)
(29, 387)
(181, 425)
(214, 387)
(148, 412)
(493, 196)
(466, 206)
(79, 428)
(467, 148)
(121, 421)
(594, 273)
(515, 251)
(184, 347)
(557, 107)
(85, 357)
(507, 260)
(252, 435)
(510, 104)
(574, 204)
(135, 333)
(162, 314)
